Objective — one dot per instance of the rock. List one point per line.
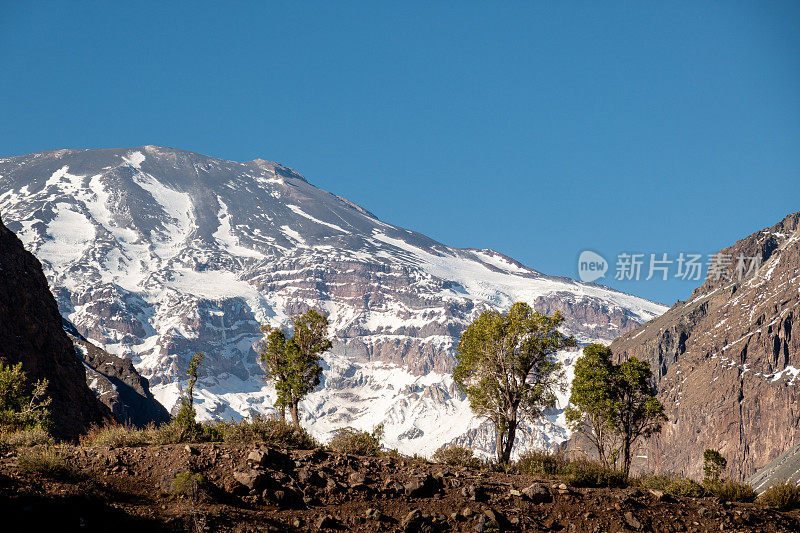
(632, 521)
(475, 493)
(252, 479)
(537, 494)
(191, 450)
(493, 519)
(421, 487)
(333, 486)
(374, 514)
(412, 521)
(258, 458)
(325, 521)
(515, 493)
(357, 479)
(466, 512)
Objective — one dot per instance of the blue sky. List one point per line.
(539, 129)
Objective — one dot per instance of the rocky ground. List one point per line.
(251, 488)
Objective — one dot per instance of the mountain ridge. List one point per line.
(156, 253)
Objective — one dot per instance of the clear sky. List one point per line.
(538, 129)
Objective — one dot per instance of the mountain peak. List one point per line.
(156, 253)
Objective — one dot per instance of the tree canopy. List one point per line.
(507, 369)
(614, 406)
(292, 362)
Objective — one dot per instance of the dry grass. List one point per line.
(541, 463)
(355, 442)
(46, 461)
(456, 456)
(782, 496)
(26, 438)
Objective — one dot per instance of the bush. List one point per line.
(541, 463)
(272, 431)
(46, 461)
(586, 473)
(671, 484)
(782, 496)
(456, 456)
(731, 491)
(18, 409)
(714, 465)
(355, 442)
(187, 484)
(117, 435)
(26, 438)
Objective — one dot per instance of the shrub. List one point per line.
(541, 463)
(456, 456)
(187, 484)
(116, 435)
(782, 496)
(18, 409)
(713, 465)
(26, 438)
(47, 461)
(271, 431)
(671, 484)
(586, 473)
(731, 491)
(355, 442)
(175, 432)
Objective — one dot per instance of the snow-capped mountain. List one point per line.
(156, 253)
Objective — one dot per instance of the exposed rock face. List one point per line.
(726, 361)
(31, 333)
(117, 384)
(156, 253)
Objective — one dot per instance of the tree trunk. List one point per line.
(294, 408)
(283, 413)
(498, 445)
(626, 456)
(509, 444)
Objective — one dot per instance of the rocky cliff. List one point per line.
(31, 333)
(117, 384)
(726, 361)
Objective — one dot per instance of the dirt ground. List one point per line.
(241, 488)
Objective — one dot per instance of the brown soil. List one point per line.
(133, 489)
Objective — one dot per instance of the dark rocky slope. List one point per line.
(117, 384)
(31, 333)
(726, 361)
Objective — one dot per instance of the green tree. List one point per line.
(613, 405)
(638, 413)
(506, 368)
(714, 465)
(591, 401)
(186, 418)
(19, 409)
(292, 363)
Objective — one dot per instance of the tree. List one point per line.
(613, 405)
(638, 413)
(186, 418)
(20, 410)
(506, 368)
(292, 363)
(592, 401)
(714, 465)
